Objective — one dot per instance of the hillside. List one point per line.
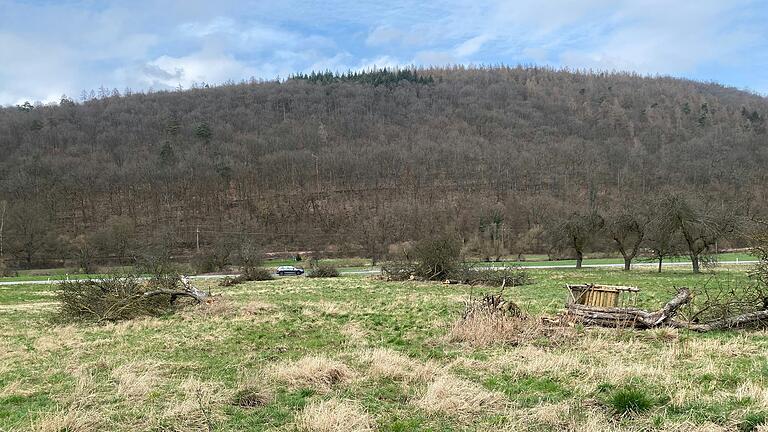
(353, 164)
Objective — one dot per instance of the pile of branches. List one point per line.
(492, 319)
(123, 297)
(511, 276)
(491, 304)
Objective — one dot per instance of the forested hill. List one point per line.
(361, 161)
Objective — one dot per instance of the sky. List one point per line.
(49, 48)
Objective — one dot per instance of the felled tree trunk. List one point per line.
(641, 319)
(188, 291)
(743, 320)
(628, 317)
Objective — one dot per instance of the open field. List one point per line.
(361, 354)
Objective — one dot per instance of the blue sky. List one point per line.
(50, 48)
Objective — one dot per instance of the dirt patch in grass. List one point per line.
(334, 416)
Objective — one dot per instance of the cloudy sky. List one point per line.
(48, 47)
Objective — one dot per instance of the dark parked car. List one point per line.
(289, 270)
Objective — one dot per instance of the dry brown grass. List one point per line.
(354, 333)
(560, 417)
(200, 407)
(70, 420)
(386, 363)
(318, 372)
(136, 380)
(59, 338)
(484, 329)
(324, 307)
(450, 395)
(334, 416)
(77, 411)
(256, 307)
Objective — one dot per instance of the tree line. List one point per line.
(503, 157)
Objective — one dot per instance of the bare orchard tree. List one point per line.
(29, 232)
(701, 224)
(626, 224)
(575, 232)
(662, 236)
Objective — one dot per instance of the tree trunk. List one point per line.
(660, 260)
(579, 258)
(726, 323)
(627, 263)
(695, 263)
(188, 291)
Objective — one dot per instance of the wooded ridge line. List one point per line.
(501, 157)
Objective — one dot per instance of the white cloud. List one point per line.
(388, 35)
(49, 48)
(471, 46)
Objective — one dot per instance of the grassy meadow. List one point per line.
(362, 354)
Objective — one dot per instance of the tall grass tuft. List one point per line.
(630, 400)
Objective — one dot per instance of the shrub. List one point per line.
(630, 400)
(253, 274)
(114, 298)
(323, 271)
(513, 276)
(437, 258)
(6, 271)
(433, 259)
(203, 262)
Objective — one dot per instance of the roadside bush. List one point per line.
(6, 271)
(433, 259)
(323, 271)
(514, 276)
(252, 274)
(114, 298)
(437, 258)
(203, 262)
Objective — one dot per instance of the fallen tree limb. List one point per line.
(743, 320)
(188, 291)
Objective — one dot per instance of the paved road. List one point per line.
(377, 271)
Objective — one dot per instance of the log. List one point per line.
(743, 320)
(188, 291)
(629, 317)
